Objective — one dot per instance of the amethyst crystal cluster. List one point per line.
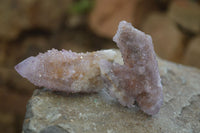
(134, 78)
(138, 79)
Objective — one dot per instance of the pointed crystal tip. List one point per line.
(25, 67)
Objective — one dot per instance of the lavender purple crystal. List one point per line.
(65, 70)
(135, 79)
(138, 80)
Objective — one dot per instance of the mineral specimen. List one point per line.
(66, 70)
(134, 79)
(138, 79)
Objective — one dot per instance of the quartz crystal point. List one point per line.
(65, 70)
(133, 79)
(138, 80)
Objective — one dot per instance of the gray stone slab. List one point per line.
(95, 113)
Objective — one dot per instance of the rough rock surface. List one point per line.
(57, 112)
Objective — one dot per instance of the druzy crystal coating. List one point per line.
(65, 70)
(138, 79)
(132, 78)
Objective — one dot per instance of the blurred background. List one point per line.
(28, 27)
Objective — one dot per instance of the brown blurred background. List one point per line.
(28, 27)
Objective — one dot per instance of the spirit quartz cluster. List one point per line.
(134, 78)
